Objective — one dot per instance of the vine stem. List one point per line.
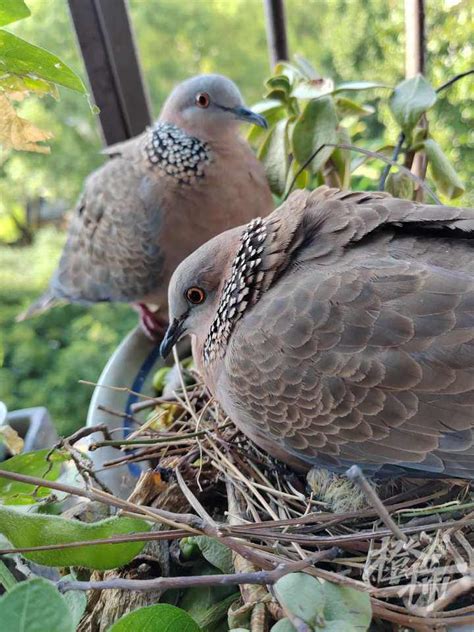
(162, 584)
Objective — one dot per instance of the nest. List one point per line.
(407, 543)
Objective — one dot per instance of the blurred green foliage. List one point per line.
(344, 39)
(45, 357)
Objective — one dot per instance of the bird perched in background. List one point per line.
(163, 194)
(340, 330)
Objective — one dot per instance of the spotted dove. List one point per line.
(163, 194)
(340, 330)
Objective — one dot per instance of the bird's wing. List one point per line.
(112, 251)
(362, 345)
(370, 363)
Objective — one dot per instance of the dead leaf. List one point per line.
(11, 439)
(18, 133)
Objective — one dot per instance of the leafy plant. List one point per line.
(310, 115)
(159, 618)
(27, 530)
(26, 69)
(40, 464)
(20, 608)
(323, 606)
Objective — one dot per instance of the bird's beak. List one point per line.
(172, 336)
(250, 117)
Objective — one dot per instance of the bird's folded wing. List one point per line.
(373, 364)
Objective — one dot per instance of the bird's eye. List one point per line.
(195, 295)
(202, 99)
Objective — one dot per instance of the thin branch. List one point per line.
(190, 522)
(146, 536)
(456, 78)
(396, 153)
(371, 154)
(374, 154)
(355, 474)
(167, 583)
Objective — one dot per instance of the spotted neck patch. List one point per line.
(175, 154)
(240, 290)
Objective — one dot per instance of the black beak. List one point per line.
(172, 335)
(249, 117)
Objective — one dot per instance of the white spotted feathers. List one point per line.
(240, 290)
(176, 154)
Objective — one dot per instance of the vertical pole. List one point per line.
(415, 37)
(414, 65)
(105, 36)
(276, 31)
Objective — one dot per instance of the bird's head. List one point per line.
(208, 106)
(196, 286)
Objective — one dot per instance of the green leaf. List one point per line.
(342, 158)
(289, 70)
(12, 10)
(278, 82)
(316, 126)
(76, 601)
(313, 89)
(347, 607)
(159, 618)
(400, 185)
(274, 156)
(215, 553)
(34, 606)
(206, 605)
(410, 99)
(7, 579)
(26, 530)
(347, 107)
(21, 58)
(302, 180)
(306, 68)
(442, 171)
(32, 464)
(360, 85)
(302, 595)
(273, 110)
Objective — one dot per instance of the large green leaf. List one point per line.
(274, 156)
(34, 606)
(159, 618)
(301, 594)
(26, 530)
(346, 606)
(32, 464)
(18, 57)
(442, 171)
(12, 10)
(317, 125)
(410, 99)
(323, 606)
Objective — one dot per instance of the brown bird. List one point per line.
(163, 194)
(340, 331)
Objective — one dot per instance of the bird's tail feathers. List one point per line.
(45, 302)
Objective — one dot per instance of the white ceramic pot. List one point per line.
(132, 365)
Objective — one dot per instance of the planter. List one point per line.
(132, 366)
